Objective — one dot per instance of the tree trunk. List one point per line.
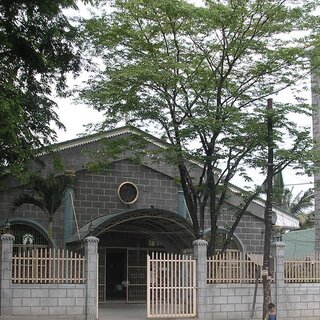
(190, 198)
(268, 217)
(213, 237)
(50, 232)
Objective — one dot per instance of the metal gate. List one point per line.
(136, 275)
(171, 286)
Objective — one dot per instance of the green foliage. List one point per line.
(110, 150)
(299, 205)
(199, 75)
(37, 49)
(45, 193)
(306, 220)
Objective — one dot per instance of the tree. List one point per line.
(268, 212)
(199, 77)
(38, 46)
(306, 220)
(45, 193)
(299, 205)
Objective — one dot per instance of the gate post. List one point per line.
(200, 255)
(91, 255)
(278, 248)
(6, 274)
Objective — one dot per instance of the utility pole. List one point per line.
(268, 214)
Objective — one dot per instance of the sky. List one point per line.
(75, 116)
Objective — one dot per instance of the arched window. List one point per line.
(235, 243)
(28, 236)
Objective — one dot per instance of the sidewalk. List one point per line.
(122, 311)
(107, 311)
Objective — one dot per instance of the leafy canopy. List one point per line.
(46, 193)
(302, 205)
(199, 76)
(37, 49)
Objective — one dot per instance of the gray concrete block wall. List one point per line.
(6, 200)
(29, 212)
(71, 301)
(232, 301)
(54, 300)
(222, 301)
(235, 301)
(300, 300)
(250, 230)
(95, 194)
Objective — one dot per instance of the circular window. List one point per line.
(128, 192)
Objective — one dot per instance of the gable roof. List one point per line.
(116, 132)
(282, 218)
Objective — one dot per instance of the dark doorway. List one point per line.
(116, 274)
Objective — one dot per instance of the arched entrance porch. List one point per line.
(125, 240)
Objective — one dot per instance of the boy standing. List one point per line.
(272, 313)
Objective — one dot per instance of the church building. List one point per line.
(133, 208)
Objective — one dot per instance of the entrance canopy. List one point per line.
(174, 231)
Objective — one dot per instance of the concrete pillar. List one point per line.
(91, 255)
(315, 89)
(68, 208)
(6, 274)
(277, 252)
(200, 254)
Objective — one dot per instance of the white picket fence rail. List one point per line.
(48, 266)
(302, 270)
(234, 266)
(237, 267)
(171, 286)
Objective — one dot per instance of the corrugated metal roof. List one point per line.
(299, 243)
(168, 225)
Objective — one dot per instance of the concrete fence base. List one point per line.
(48, 301)
(214, 301)
(235, 301)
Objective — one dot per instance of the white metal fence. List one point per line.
(171, 286)
(234, 267)
(238, 267)
(305, 269)
(48, 266)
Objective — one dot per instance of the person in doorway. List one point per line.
(272, 312)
